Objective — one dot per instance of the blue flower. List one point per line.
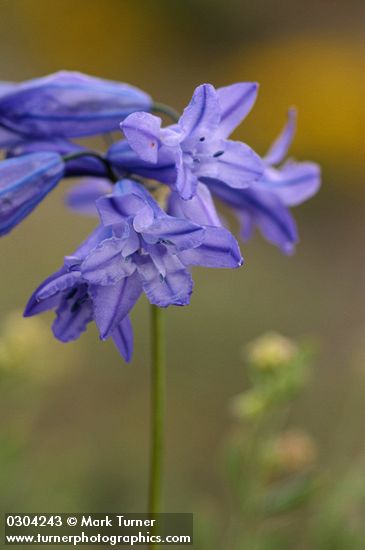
(138, 248)
(293, 182)
(153, 248)
(68, 294)
(219, 248)
(197, 146)
(266, 203)
(24, 182)
(67, 104)
(261, 208)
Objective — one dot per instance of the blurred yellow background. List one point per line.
(83, 425)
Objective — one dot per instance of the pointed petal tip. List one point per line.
(27, 310)
(128, 357)
(288, 249)
(254, 85)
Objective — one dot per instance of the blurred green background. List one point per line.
(81, 421)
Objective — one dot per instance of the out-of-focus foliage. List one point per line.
(282, 495)
(277, 370)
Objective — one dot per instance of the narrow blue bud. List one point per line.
(24, 182)
(69, 104)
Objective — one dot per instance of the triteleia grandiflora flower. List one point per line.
(151, 192)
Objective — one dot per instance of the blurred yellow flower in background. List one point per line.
(271, 350)
(324, 76)
(28, 348)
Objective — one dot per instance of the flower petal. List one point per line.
(99, 234)
(219, 249)
(294, 183)
(280, 147)
(238, 166)
(143, 219)
(235, 101)
(8, 138)
(81, 198)
(202, 115)
(273, 219)
(200, 209)
(122, 157)
(7, 87)
(105, 264)
(123, 338)
(113, 302)
(143, 131)
(179, 234)
(186, 181)
(73, 316)
(124, 203)
(173, 289)
(66, 280)
(36, 304)
(260, 207)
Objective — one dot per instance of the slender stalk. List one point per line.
(157, 409)
(108, 167)
(161, 108)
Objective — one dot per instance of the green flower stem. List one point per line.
(108, 167)
(161, 108)
(157, 409)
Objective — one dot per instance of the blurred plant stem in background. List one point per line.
(282, 498)
(269, 469)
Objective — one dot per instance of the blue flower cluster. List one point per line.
(152, 191)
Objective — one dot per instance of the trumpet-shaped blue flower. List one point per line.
(137, 248)
(257, 207)
(149, 236)
(68, 104)
(266, 203)
(197, 146)
(24, 182)
(149, 250)
(293, 182)
(218, 249)
(69, 295)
